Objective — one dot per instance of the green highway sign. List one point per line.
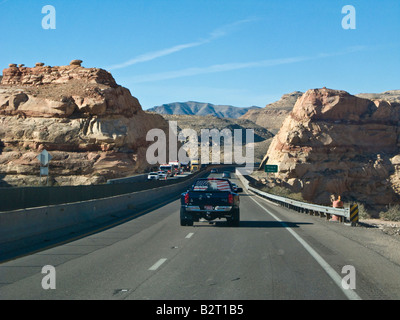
(271, 168)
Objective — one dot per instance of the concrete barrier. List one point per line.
(16, 198)
(30, 225)
(136, 178)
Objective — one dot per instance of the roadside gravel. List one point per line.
(389, 227)
(381, 236)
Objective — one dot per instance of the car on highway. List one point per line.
(226, 174)
(152, 176)
(162, 175)
(210, 199)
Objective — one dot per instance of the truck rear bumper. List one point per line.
(219, 212)
(214, 209)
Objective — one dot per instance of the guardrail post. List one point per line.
(354, 214)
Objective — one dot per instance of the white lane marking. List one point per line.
(350, 294)
(189, 235)
(270, 202)
(157, 264)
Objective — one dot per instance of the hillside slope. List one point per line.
(271, 117)
(200, 109)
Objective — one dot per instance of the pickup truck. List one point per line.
(210, 199)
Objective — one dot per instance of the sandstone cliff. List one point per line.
(333, 143)
(272, 116)
(93, 127)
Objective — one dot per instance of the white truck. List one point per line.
(167, 168)
(176, 167)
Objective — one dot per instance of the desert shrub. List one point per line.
(392, 214)
(363, 212)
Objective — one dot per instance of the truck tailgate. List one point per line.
(208, 200)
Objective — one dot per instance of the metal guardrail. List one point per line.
(295, 204)
(302, 206)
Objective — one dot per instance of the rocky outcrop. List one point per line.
(42, 74)
(59, 92)
(336, 143)
(272, 116)
(94, 128)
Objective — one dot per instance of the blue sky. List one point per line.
(241, 53)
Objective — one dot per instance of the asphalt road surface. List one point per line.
(275, 253)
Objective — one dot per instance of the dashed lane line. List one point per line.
(157, 264)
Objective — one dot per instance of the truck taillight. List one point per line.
(187, 198)
(230, 199)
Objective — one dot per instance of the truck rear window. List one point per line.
(212, 185)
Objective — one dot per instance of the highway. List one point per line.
(274, 254)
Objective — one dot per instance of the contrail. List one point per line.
(215, 34)
(236, 66)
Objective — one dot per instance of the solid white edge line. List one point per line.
(157, 264)
(350, 294)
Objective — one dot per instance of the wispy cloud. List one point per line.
(154, 55)
(213, 69)
(215, 34)
(237, 66)
(229, 28)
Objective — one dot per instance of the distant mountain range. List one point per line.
(262, 137)
(201, 109)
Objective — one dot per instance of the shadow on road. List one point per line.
(253, 224)
(270, 224)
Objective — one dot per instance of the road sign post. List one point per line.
(44, 158)
(270, 168)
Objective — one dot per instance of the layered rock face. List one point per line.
(333, 143)
(93, 128)
(272, 116)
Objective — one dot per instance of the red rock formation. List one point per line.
(94, 128)
(59, 92)
(336, 143)
(41, 74)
